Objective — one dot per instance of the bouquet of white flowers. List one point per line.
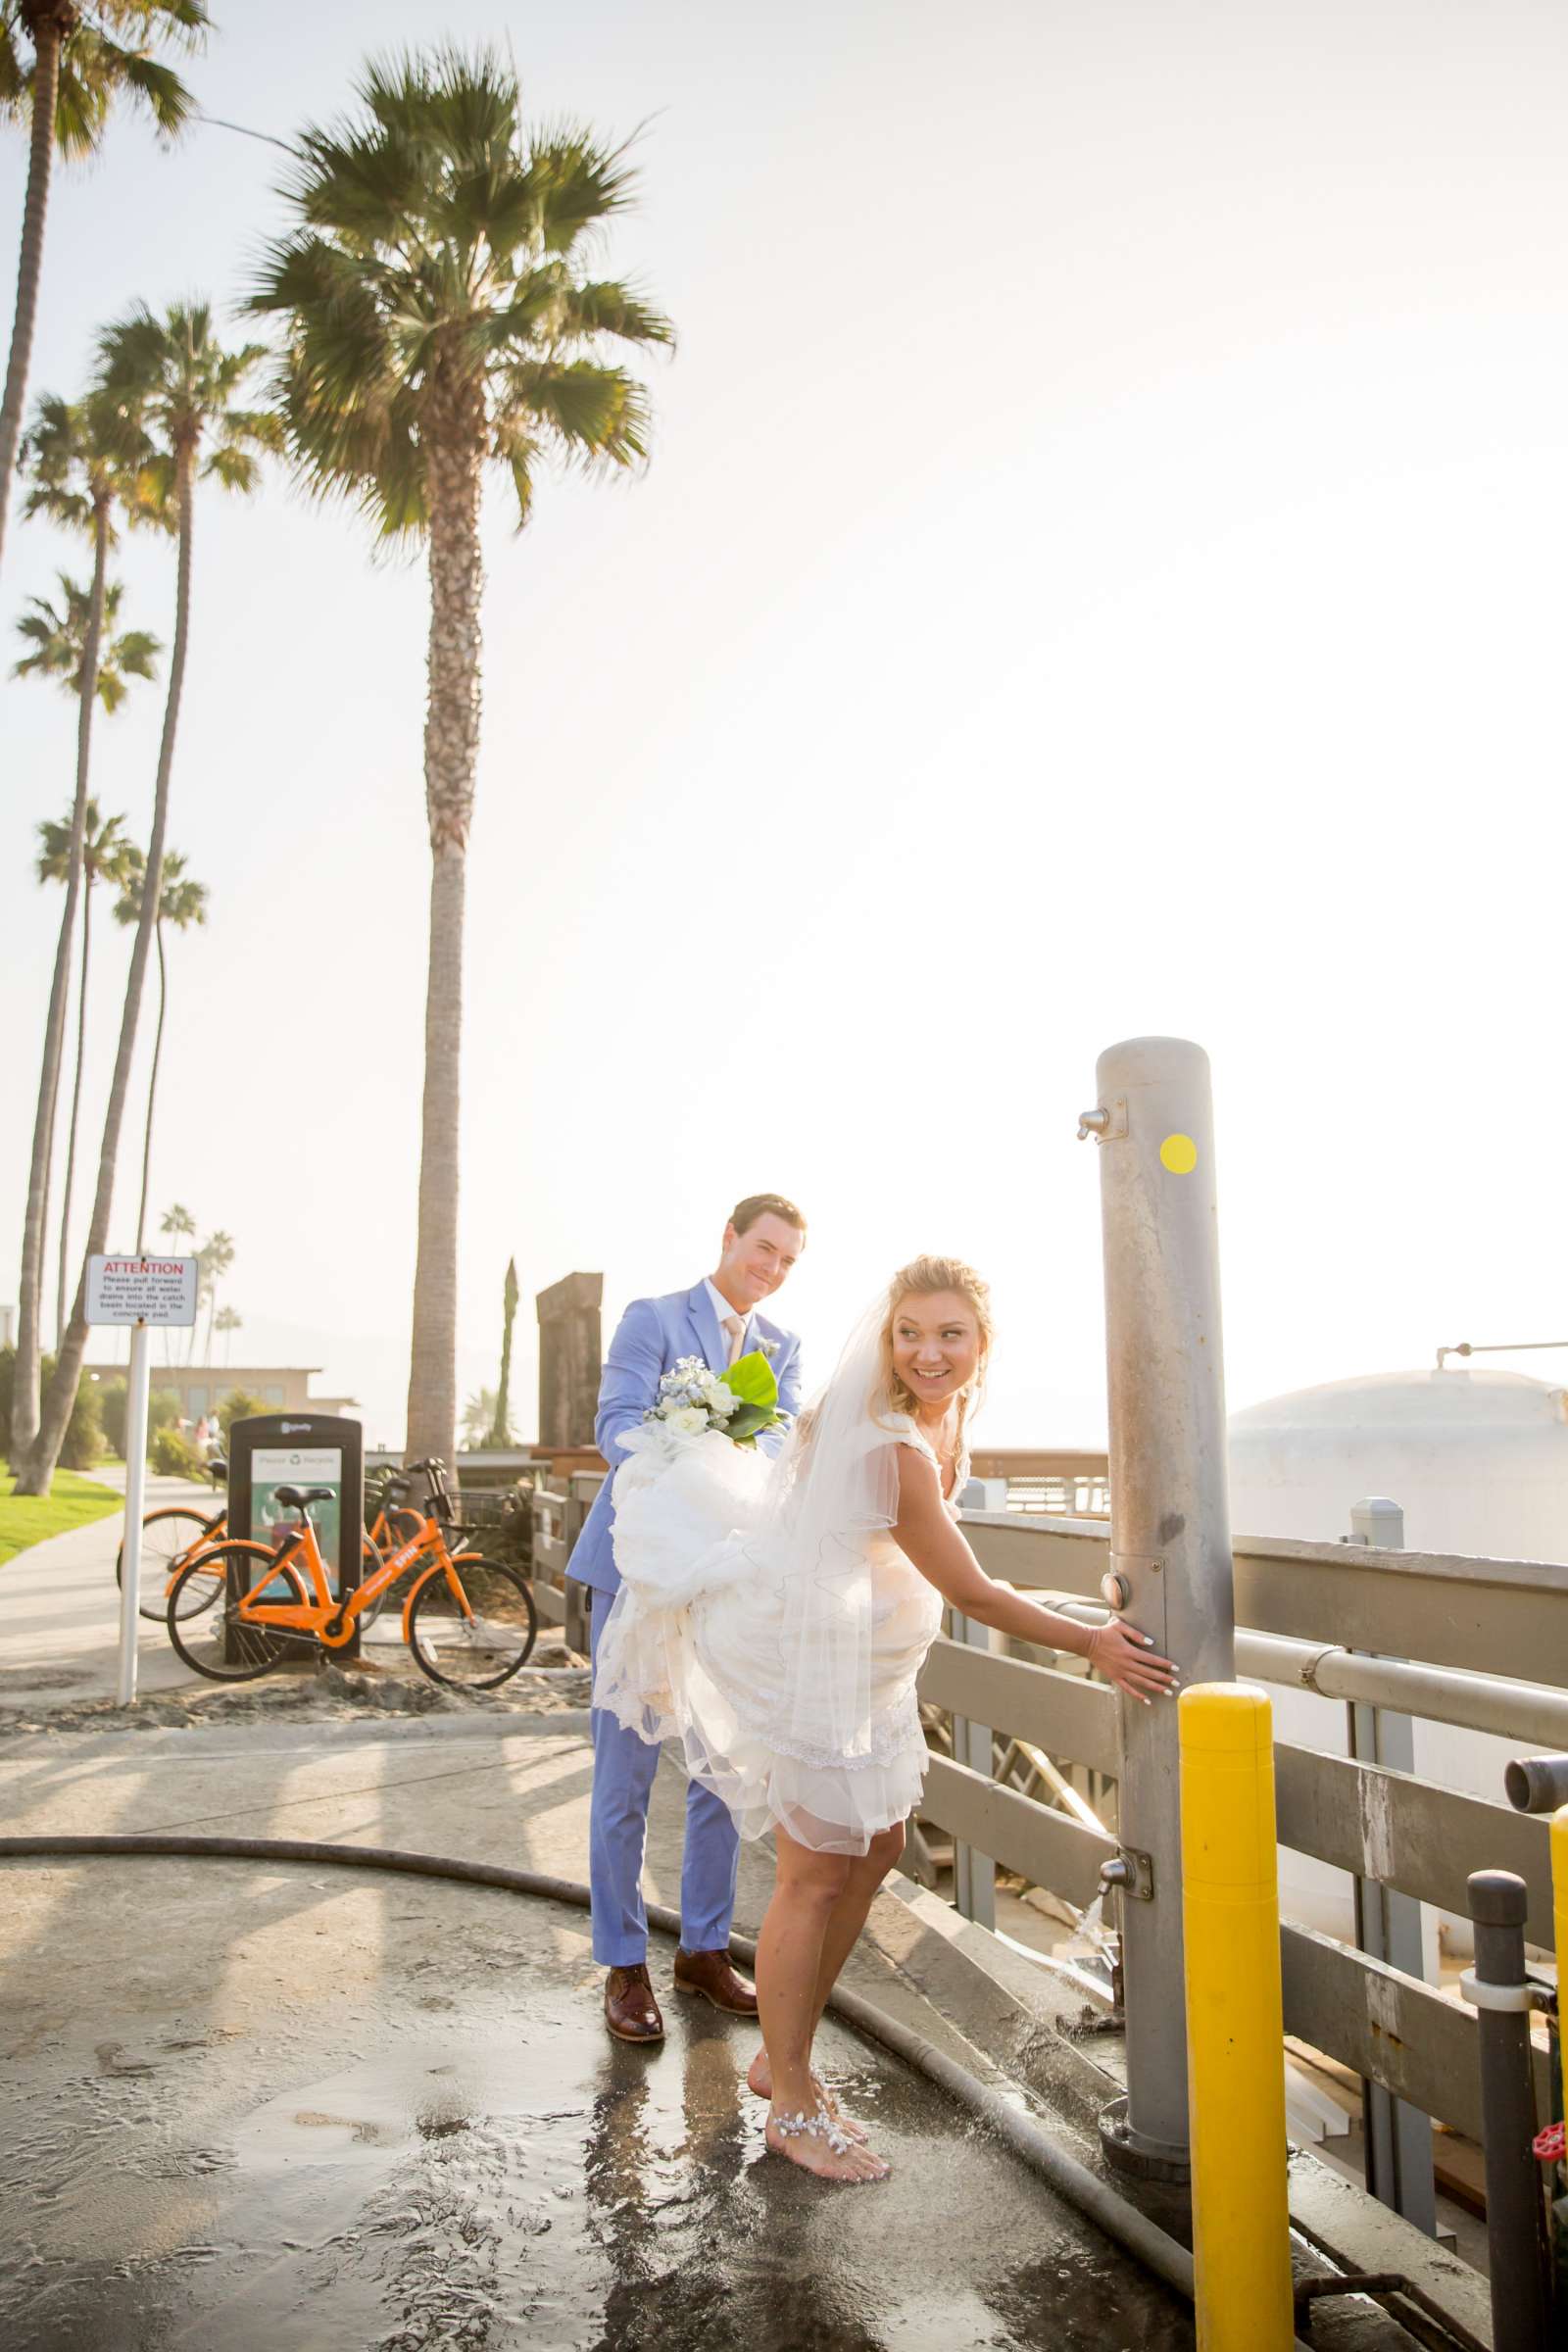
(739, 1403)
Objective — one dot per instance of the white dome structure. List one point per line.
(1478, 1464)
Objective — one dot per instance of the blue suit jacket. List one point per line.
(652, 1336)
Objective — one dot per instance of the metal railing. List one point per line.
(1067, 1482)
(1449, 1629)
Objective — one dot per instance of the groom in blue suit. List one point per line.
(718, 1320)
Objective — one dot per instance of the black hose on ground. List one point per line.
(1120, 2222)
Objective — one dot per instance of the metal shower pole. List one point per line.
(1170, 1562)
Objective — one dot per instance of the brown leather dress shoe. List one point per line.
(713, 1976)
(630, 2010)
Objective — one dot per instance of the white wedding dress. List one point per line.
(767, 1620)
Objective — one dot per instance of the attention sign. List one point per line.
(141, 1290)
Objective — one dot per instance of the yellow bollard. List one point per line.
(1560, 1906)
(1235, 2024)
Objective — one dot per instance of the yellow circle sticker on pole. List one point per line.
(1178, 1153)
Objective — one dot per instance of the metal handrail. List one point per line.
(1476, 1615)
(1477, 1703)
(1387, 1827)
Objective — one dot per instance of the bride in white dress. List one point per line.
(774, 1618)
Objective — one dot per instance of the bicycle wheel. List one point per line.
(218, 1643)
(168, 1538)
(480, 1645)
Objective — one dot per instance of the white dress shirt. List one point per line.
(723, 1308)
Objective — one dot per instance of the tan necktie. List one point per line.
(736, 1331)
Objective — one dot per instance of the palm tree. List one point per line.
(180, 903)
(478, 1419)
(226, 1320)
(438, 317)
(68, 89)
(59, 636)
(82, 466)
(104, 854)
(178, 1223)
(178, 388)
(216, 1256)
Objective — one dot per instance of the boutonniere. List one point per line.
(768, 1348)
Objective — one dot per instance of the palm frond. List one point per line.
(602, 307)
(136, 654)
(13, 76)
(59, 636)
(600, 414)
(577, 184)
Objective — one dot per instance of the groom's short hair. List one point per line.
(745, 1213)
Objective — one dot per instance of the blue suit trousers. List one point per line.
(623, 1777)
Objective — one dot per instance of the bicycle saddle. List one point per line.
(295, 1498)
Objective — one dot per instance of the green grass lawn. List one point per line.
(71, 1502)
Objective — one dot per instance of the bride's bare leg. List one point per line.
(839, 1937)
(807, 1890)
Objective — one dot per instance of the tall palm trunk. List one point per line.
(454, 442)
(49, 22)
(34, 1478)
(152, 1085)
(212, 1310)
(75, 1111)
(87, 688)
(27, 1402)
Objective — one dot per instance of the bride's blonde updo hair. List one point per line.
(921, 1278)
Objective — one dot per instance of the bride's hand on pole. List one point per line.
(1130, 1660)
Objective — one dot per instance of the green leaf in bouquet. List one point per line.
(747, 1420)
(752, 1379)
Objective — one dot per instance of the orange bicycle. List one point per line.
(469, 1622)
(172, 1537)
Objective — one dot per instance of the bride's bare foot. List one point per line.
(759, 2081)
(819, 2146)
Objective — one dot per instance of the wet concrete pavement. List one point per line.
(452, 2155)
(304, 2108)
(245, 2105)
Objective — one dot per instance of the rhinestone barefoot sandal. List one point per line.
(824, 2127)
(820, 2126)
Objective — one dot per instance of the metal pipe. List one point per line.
(1170, 1563)
(1497, 1348)
(1500, 1992)
(136, 1387)
(1480, 1703)
(1537, 1784)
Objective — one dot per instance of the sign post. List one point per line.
(137, 1292)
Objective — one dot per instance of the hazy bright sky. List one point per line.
(1102, 571)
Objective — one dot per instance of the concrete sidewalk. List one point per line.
(60, 1609)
